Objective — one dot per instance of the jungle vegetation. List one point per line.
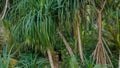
(59, 33)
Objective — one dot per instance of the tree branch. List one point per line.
(103, 5)
(92, 2)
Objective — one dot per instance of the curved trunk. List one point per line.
(4, 10)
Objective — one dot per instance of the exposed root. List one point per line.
(100, 54)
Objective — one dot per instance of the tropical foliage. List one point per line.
(59, 33)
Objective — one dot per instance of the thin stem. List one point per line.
(80, 46)
(5, 9)
(50, 58)
(66, 43)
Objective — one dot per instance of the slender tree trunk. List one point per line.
(80, 45)
(50, 58)
(66, 43)
(99, 22)
(78, 21)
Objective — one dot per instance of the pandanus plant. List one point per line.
(100, 54)
(31, 24)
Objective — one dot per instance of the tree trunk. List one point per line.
(66, 43)
(100, 54)
(78, 21)
(80, 46)
(50, 58)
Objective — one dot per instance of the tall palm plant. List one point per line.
(100, 53)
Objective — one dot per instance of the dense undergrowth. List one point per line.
(59, 34)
